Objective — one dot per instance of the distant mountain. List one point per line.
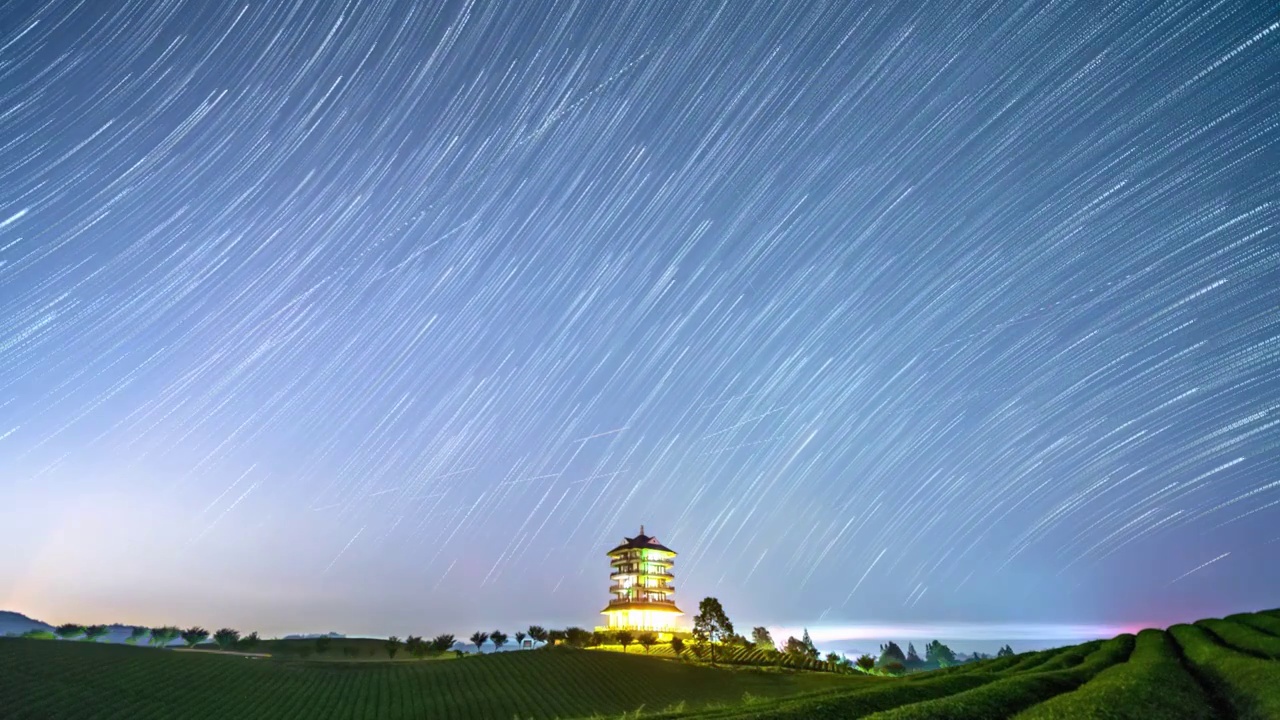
(12, 623)
(313, 636)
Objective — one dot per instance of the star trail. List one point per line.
(393, 317)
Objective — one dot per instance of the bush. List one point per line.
(1259, 621)
(1153, 684)
(1251, 686)
(1244, 638)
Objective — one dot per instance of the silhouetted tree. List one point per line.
(833, 658)
(624, 638)
(226, 638)
(890, 652)
(248, 642)
(498, 638)
(136, 634)
(866, 662)
(414, 646)
(520, 636)
(647, 640)
(795, 647)
(913, 658)
(811, 650)
(576, 637)
(393, 646)
(194, 635)
(442, 643)
(68, 631)
(93, 632)
(1006, 651)
(711, 624)
(677, 646)
(761, 638)
(555, 637)
(939, 654)
(537, 633)
(597, 639)
(479, 638)
(162, 636)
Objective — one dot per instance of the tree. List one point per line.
(393, 646)
(441, 643)
(93, 632)
(498, 638)
(576, 637)
(890, 652)
(226, 638)
(936, 652)
(833, 659)
(249, 641)
(711, 624)
(761, 638)
(136, 634)
(194, 635)
(520, 636)
(895, 668)
(913, 658)
(537, 633)
(795, 648)
(555, 637)
(810, 649)
(68, 631)
(414, 646)
(1006, 651)
(322, 644)
(162, 636)
(677, 646)
(865, 662)
(647, 640)
(479, 638)
(624, 638)
(597, 639)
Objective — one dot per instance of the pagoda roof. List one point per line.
(641, 542)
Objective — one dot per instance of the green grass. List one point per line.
(1249, 686)
(1152, 684)
(41, 679)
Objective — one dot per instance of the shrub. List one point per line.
(1251, 686)
(1244, 638)
(1152, 684)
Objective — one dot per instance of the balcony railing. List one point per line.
(635, 561)
(647, 601)
(661, 589)
(636, 573)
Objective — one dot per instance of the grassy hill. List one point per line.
(46, 679)
(1226, 667)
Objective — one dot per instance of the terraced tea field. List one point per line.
(1228, 668)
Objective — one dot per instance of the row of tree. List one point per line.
(711, 628)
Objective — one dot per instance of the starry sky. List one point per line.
(389, 317)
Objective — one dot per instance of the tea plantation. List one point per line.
(1227, 668)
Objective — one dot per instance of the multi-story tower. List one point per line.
(643, 593)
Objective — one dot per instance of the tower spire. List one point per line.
(642, 529)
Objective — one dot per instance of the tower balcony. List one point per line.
(658, 590)
(659, 603)
(660, 562)
(618, 575)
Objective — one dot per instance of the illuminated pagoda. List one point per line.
(642, 589)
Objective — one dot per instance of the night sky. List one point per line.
(388, 317)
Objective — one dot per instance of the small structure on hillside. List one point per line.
(643, 601)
